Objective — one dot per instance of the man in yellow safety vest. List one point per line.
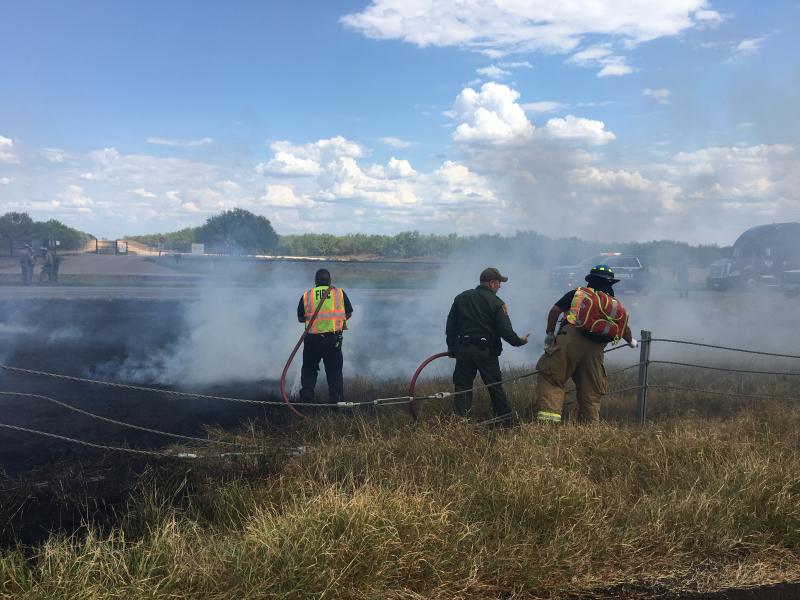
(324, 339)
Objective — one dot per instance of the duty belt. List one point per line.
(474, 339)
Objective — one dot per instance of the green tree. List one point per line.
(19, 226)
(16, 226)
(238, 230)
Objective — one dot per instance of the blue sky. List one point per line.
(667, 119)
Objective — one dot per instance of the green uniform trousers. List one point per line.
(579, 358)
(471, 358)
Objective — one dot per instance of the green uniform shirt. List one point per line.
(480, 313)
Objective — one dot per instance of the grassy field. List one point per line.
(705, 497)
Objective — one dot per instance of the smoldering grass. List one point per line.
(706, 495)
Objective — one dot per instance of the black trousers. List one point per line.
(326, 347)
(472, 359)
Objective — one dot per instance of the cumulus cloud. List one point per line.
(286, 163)
(395, 142)
(5, 180)
(491, 115)
(160, 141)
(658, 95)
(7, 154)
(283, 196)
(579, 129)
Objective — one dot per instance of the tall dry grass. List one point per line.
(706, 496)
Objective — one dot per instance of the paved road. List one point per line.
(156, 292)
(100, 264)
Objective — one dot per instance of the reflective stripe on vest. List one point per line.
(543, 415)
(331, 317)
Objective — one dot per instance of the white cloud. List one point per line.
(544, 106)
(395, 142)
(491, 115)
(493, 72)
(7, 154)
(497, 27)
(394, 169)
(286, 163)
(602, 56)
(54, 154)
(579, 129)
(615, 69)
(72, 200)
(727, 172)
(659, 95)
(747, 47)
(160, 141)
(523, 64)
(283, 196)
(5, 180)
(708, 16)
(304, 160)
(143, 193)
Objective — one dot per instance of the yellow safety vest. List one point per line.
(331, 317)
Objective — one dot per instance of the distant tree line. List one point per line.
(19, 227)
(240, 231)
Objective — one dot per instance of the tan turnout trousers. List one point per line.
(571, 356)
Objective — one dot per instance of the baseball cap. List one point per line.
(490, 274)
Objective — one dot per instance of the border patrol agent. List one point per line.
(476, 325)
(575, 354)
(26, 262)
(324, 339)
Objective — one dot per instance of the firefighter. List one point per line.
(575, 353)
(324, 338)
(476, 325)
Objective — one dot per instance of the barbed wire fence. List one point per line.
(642, 388)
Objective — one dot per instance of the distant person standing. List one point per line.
(476, 325)
(682, 276)
(26, 262)
(47, 263)
(324, 336)
(55, 263)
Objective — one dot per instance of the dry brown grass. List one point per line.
(706, 496)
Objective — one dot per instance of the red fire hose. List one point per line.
(284, 396)
(412, 405)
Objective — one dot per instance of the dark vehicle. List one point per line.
(791, 283)
(633, 275)
(759, 258)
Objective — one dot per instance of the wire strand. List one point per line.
(725, 369)
(688, 343)
(123, 423)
